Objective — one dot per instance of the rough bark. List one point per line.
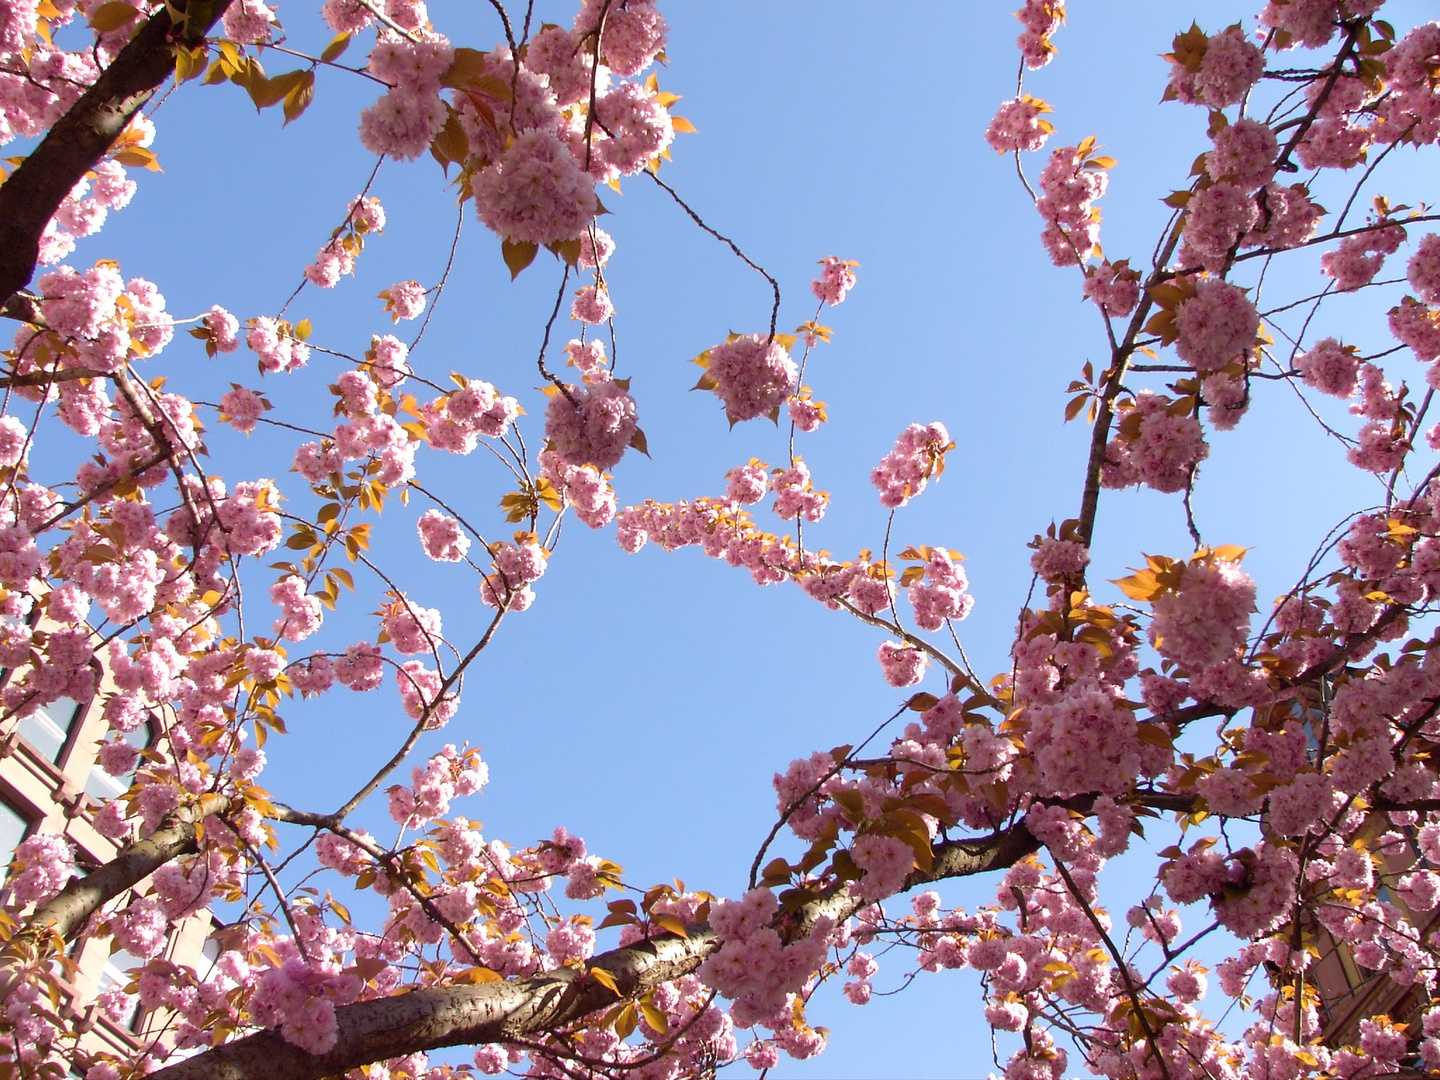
(66, 914)
(435, 1017)
(80, 138)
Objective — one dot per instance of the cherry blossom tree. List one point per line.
(1281, 762)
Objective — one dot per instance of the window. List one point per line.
(117, 974)
(48, 728)
(100, 785)
(12, 831)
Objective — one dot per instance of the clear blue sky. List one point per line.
(645, 702)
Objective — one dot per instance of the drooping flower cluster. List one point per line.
(1158, 444)
(594, 423)
(1019, 125)
(837, 277)
(1070, 183)
(750, 374)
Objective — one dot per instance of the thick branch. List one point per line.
(80, 138)
(68, 912)
(434, 1017)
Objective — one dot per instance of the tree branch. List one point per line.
(433, 1017)
(66, 914)
(80, 138)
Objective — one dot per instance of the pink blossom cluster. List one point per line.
(1330, 367)
(718, 526)
(1244, 153)
(242, 408)
(1205, 619)
(248, 22)
(337, 257)
(1085, 740)
(796, 496)
(747, 483)
(87, 206)
(1227, 66)
(1018, 125)
(1358, 258)
(1040, 19)
(108, 321)
(1069, 188)
(411, 629)
(404, 300)
(940, 594)
(592, 305)
(442, 537)
(300, 998)
(1423, 269)
(446, 776)
(46, 862)
(753, 966)
(536, 192)
(806, 413)
(300, 613)
(632, 130)
(517, 567)
(1158, 446)
(456, 421)
(276, 345)
(1058, 559)
(902, 664)
(837, 277)
(1114, 288)
(402, 123)
(582, 487)
(591, 424)
(751, 374)
(904, 472)
(1216, 325)
(1409, 111)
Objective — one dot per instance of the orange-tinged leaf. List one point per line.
(138, 157)
(112, 16)
(655, 1018)
(476, 975)
(518, 256)
(338, 44)
(466, 69)
(681, 124)
(605, 979)
(298, 98)
(1139, 586)
(776, 872)
(626, 1022)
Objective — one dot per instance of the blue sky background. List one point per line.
(645, 702)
